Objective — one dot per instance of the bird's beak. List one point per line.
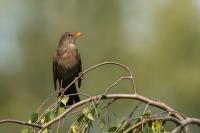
(77, 34)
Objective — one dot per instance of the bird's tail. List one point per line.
(74, 98)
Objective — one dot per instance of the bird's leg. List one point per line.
(60, 88)
(81, 75)
(61, 82)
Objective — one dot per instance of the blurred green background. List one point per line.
(158, 40)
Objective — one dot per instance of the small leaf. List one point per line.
(34, 117)
(73, 128)
(147, 114)
(83, 129)
(25, 130)
(89, 116)
(43, 120)
(50, 115)
(112, 129)
(156, 127)
(47, 111)
(102, 123)
(80, 118)
(65, 100)
(147, 129)
(47, 116)
(86, 110)
(45, 130)
(61, 110)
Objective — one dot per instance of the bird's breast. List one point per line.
(69, 59)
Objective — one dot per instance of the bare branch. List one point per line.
(115, 83)
(102, 64)
(21, 123)
(186, 122)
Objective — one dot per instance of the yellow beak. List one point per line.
(77, 34)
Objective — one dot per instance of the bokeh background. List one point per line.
(158, 40)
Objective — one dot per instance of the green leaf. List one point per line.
(112, 129)
(61, 110)
(73, 128)
(45, 130)
(25, 130)
(156, 127)
(84, 128)
(88, 113)
(147, 129)
(34, 117)
(86, 110)
(47, 116)
(65, 100)
(80, 118)
(47, 111)
(89, 116)
(50, 115)
(42, 121)
(147, 114)
(102, 123)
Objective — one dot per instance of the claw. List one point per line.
(81, 75)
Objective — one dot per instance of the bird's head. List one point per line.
(70, 37)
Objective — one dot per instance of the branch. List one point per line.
(21, 123)
(146, 120)
(186, 122)
(102, 64)
(149, 101)
(178, 118)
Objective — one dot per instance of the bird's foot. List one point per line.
(81, 75)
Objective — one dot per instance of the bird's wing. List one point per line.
(55, 72)
(80, 70)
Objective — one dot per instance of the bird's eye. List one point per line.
(69, 35)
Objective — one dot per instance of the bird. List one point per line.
(67, 66)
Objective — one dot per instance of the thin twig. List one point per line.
(131, 114)
(109, 103)
(115, 83)
(147, 105)
(21, 123)
(45, 101)
(57, 130)
(98, 65)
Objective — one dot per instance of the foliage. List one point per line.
(94, 113)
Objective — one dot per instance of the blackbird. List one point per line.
(67, 65)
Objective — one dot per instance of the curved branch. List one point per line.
(181, 120)
(149, 101)
(21, 123)
(146, 120)
(186, 122)
(98, 65)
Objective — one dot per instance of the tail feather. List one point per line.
(71, 90)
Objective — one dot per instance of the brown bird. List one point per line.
(67, 65)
